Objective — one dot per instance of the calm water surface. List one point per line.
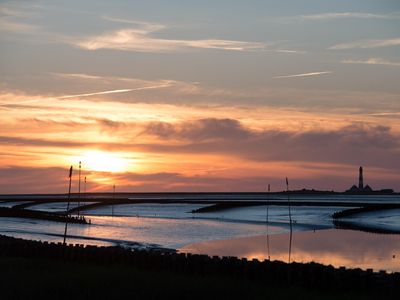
(330, 247)
(238, 232)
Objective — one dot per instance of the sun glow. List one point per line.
(104, 161)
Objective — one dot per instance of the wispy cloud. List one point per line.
(346, 15)
(371, 61)
(364, 44)
(114, 91)
(148, 27)
(140, 40)
(304, 74)
(110, 79)
(16, 27)
(13, 20)
(135, 84)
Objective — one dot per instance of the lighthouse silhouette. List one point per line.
(360, 179)
(360, 188)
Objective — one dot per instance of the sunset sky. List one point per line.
(199, 95)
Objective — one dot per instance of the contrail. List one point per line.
(304, 74)
(115, 91)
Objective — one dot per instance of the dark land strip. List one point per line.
(32, 269)
(40, 215)
(365, 208)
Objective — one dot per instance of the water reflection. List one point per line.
(336, 247)
(162, 232)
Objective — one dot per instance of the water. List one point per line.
(159, 232)
(237, 231)
(352, 249)
(57, 206)
(10, 204)
(385, 219)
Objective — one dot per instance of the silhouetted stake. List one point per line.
(79, 187)
(290, 218)
(84, 192)
(269, 190)
(112, 206)
(66, 212)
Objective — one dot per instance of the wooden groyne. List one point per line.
(40, 215)
(311, 275)
(365, 208)
(224, 205)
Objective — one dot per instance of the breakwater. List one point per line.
(40, 215)
(365, 208)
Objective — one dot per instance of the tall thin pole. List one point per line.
(66, 212)
(79, 186)
(112, 206)
(84, 189)
(288, 197)
(269, 190)
(290, 219)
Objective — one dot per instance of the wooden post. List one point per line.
(269, 190)
(66, 212)
(79, 187)
(290, 219)
(112, 206)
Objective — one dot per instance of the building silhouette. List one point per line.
(360, 187)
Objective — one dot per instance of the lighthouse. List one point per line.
(360, 188)
(360, 179)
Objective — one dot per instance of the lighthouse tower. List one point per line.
(360, 179)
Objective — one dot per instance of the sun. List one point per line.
(101, 161)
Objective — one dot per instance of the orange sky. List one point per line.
(152, 102)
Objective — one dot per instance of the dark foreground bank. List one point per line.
(36, 270)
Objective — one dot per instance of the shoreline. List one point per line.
(311, 276)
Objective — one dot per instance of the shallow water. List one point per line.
(57, 206)
(236, 231)
(352, 249)
(385, 219)
(159, 232)
(10, 204)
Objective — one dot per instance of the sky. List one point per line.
(196, 96)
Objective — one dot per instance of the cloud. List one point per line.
(10, 20)
(200, 130)
(371, 61)
(147, 26)
(366, 44)
(117, 85)
(18, 180)
(21, 141)
(114, 91)
(115, 79)
(345, 15)
(358, 143)
(54, 180)
(210, 154)
(140, 39)
(304, 74)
